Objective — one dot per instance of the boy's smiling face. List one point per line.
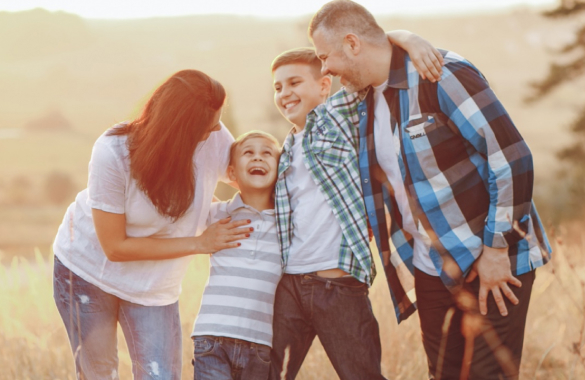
(254, 164)
(297, 90)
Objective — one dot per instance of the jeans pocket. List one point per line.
(353, 291)
(70, 290)
(203, 345)
(263, 353)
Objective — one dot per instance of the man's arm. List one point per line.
(466, 98)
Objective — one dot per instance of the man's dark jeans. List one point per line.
(496, 350)
(339, 312)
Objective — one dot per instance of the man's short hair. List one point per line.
(344, 16)
(250, 135)
(304, 55)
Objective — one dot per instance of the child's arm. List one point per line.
(427, 60)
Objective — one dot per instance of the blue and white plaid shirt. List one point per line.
(466, 169)
(330, 154)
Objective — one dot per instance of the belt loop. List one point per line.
(328, 285)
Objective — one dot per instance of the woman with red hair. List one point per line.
(123, 247)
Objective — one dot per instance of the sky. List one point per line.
(123, 9)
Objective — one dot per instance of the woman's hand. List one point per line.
(118, 247)
(427, 60)
(223, 234)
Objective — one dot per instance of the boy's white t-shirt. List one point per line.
(316, 239)
(111, 188)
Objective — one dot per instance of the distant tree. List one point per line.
(52, 121)
(573, 156)
(19, 191)
(59, 188)
(38, 33)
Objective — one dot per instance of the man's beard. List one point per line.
(353, 79)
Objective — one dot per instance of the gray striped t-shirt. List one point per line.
(238, 300)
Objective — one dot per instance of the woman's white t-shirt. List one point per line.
(111, 188)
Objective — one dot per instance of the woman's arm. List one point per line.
(111, 232)
(427, 60)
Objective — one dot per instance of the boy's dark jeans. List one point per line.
(501, 335)
(221, 358)
(339, 312)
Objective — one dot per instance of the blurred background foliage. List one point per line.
(568, 66)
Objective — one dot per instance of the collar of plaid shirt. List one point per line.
(330, 154)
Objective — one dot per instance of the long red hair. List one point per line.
(163, 139)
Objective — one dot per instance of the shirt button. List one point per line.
(363, 114)
(366, 180)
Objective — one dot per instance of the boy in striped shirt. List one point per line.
(233, 330)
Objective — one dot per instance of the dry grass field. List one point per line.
(33, 342)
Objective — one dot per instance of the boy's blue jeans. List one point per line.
(91, 316)
(339, 312)
(221, 358)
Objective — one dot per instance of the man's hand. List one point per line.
(493, 269)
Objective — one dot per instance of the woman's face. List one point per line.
(215, 125)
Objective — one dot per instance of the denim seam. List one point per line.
(181, 360)
(257, 349)
(134, 362)
(312, 300)
(351, 292)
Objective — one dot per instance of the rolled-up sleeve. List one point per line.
(107, 181)
(466, 98)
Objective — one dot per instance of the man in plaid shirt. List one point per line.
(456, 177)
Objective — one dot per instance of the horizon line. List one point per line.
(419, 14)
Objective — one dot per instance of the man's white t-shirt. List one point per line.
(111, 188)
(387, 150)
(316, 239)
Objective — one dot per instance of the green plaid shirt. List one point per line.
(330, 147)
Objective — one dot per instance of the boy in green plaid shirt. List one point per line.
(322, 229)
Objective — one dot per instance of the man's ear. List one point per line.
(231, 172)
(325, 85)
(352, 44)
